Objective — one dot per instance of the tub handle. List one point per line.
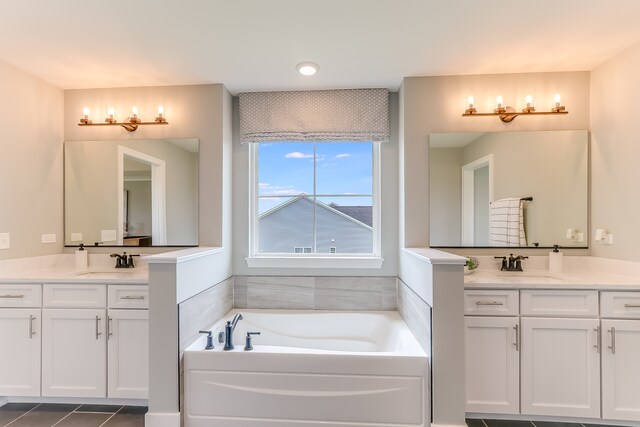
(247, 345)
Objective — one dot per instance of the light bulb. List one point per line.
(557, 99)
(86, 112)
(528, 99)
(134, 110)
(499, 101)
(160, 110)
(470, 100)
(111, 112)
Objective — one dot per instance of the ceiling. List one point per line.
(255, 44)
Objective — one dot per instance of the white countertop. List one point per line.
(543, 279)
(61, 269)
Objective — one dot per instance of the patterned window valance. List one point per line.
(315, 116)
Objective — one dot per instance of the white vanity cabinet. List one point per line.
(74, 359)
(90, 349)
(20, 318)
(621, 355)
(492, 358)
(128, 342)
(560, 367)
(560, 364)
(74, 362)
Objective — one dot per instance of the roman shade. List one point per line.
(343, 115)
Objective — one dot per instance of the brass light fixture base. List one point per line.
(507, 114)
(128, 124)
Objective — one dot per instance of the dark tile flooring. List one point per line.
(513, 423)
(64, 415)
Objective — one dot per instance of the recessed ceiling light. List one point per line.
(307, 68)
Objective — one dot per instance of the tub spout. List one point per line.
(228, 332)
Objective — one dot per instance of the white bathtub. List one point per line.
(309, 368)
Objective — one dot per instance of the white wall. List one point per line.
(435, 104)
(445, 183)
(31, 138)
(389, 203)
(615, 152)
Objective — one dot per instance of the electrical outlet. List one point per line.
(48, 238)
(76, 237)
(108, 235)
(5, 241)
(579, 237)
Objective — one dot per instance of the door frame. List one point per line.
(468, 195)
(158, 195)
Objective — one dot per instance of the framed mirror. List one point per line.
(506, 189)
(131, 193)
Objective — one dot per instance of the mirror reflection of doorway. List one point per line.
(477, 193)
(137, 202)
(141, 189)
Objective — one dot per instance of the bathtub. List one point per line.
(309, 368)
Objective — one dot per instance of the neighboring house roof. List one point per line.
(364, 214)
(332, 208)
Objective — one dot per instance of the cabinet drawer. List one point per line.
(123, 296)
(20, 295)
(620, 304)
(491, 303)
(74, 296)
(558, 303)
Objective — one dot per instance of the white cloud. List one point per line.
(343, 155)
(267, 189)
(298, 155)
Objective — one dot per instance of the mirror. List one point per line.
(504, 189)
(131, 193)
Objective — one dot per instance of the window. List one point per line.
(309, 198)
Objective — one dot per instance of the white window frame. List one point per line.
(317, 260)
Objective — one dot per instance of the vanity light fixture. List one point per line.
(507, 114)
(130, 123)
(307, 68)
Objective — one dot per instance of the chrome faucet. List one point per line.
(228, 332)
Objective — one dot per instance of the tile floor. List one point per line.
(64, 415)
(512, 423)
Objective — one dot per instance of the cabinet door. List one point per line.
(621, 369)
(492, 364)
(560, 367)
(128, 337)
(20, 352)
(74, 353)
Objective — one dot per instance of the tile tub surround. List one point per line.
(416, 314)
(202, 310)
(315, 293)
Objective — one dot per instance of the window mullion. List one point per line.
(315, 222)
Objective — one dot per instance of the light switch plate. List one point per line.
(579, 237)
(609, 239)
(108, 235)
(76, 237)
(5, 241)
(48, 238)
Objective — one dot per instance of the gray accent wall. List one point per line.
(315, 293)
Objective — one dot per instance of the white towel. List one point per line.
(506, 222)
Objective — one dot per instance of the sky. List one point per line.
(342, 168)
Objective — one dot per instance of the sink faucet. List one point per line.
(124, 260)
(228, 332)
(513, 263)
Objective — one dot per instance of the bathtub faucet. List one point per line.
(228, 332)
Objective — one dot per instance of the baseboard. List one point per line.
(162, 419)
(448, 425)
(3, 400)
(77, 400)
